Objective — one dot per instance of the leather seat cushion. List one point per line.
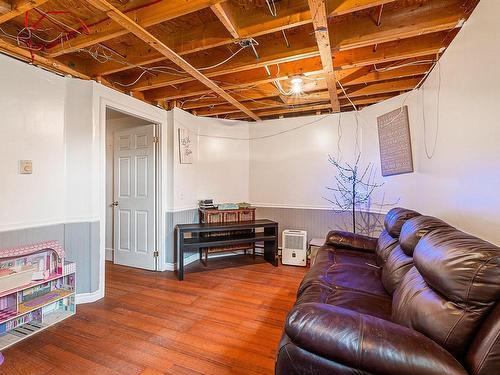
(355, 300)
(352, 276)
(331, 255)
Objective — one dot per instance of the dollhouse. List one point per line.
(37, 290)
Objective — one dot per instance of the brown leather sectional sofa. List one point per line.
(420, 299)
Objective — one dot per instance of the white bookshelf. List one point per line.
(37, 305)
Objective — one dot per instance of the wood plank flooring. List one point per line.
(226, 320)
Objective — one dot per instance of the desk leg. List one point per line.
(271, 247)
(180, 254)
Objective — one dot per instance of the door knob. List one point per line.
(114, 204)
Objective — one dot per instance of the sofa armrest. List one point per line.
(367, 343)
(353, 241)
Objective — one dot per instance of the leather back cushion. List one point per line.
(415, 228)
(395, 219)
(385, 244)
(400, 260)
(483, 357)
(395, 268)
(388, 239)
(452, 287)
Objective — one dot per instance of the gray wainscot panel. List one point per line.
(171, 220)
(318, 222)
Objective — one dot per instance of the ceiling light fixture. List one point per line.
(296, 85)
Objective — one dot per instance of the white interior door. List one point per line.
(134, 197)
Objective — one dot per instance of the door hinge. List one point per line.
(156, 139)
(156, 254)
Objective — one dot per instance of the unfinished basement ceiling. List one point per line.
(236, 59)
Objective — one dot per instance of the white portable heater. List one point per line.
(294, 248)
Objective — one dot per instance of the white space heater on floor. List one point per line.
(294, 248)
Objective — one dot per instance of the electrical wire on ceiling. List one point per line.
(223, 61)
(272, 8)
(99, 52)
(315, 121)
(250, 43)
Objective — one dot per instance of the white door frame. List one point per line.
(131, 107)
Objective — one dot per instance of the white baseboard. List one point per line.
(88, 297)
(109, 254)
(193, 258)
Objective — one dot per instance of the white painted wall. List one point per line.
(461, 182)
(220, 169)
(290, 167)
(31, 127)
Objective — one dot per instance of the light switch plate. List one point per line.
(25, 167)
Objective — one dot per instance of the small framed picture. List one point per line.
(185, 147)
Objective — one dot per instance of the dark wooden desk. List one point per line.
(269, 236)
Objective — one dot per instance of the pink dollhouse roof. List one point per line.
(34, 248)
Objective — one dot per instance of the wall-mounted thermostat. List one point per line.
(25, 167)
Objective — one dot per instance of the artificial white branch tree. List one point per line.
(354, 188)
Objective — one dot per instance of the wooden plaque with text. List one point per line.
(395, 142)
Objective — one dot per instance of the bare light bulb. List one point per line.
(296, 85)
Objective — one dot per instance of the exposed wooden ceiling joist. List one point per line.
(313, 107)
(154, 42)
(395, 87)
(422, 46)
(320, 25)
(5, 6)
(297, 13)
(370, 89)
(19, 8)
(144, 17)
(418, 22)
(352, 79)
(209, 36)
(223, 13)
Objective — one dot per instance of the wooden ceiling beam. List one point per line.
(269, 52)
(417, 23)
(5, 6)
(211, 36)
(223, 13)
(354, 32)
(339, 7)
(394, 51)
(384, 87)
(268, 104)
(430, 44)
(296, 13)
(344, 103)
(367, 77)
(151, 40)
(320, 24)
(19, 7)
(145, 17)
(38, 60)
(251, 77)
(348, 77)
(403, 84)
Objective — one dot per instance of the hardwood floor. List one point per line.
(226, 321)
